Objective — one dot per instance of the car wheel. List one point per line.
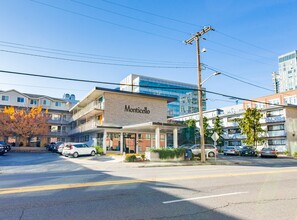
(75, 155)
(211, 154)
(225, 154)
(93, 153)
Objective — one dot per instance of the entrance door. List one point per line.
(130, 142)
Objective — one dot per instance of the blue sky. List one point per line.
(248, 38)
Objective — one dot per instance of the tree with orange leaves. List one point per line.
(24, 123)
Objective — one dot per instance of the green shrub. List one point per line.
(165, 153)
(134, 157)
(295, 154)
(99, 150)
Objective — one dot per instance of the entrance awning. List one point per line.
(151, 127)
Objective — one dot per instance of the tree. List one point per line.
(251, 127)
(207, 131)
(218, 128)
(24, 123)
(189, 133)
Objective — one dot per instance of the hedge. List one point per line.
(165, 153)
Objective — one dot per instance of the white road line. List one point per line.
(204, 197)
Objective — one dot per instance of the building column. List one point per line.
(104, 141)
(175, 141)
(122, 142)
(136, 144)
(165, 140)
(157, 137)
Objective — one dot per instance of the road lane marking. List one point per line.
(26, 189)
(204, 197)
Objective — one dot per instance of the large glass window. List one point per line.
(275, 127)
(33, 102)
(113, 141)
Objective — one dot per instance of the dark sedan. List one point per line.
(6, 146)
(247, 151)
(2, 150)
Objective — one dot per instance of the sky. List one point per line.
(105, 40)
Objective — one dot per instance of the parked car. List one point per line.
(50, 146)
(78, 149)
(56, 146)
(60, 147)
(247, 151)
(185, 146)
(6, 146)
(210, 150)
(2, 150)
(268, 152)
(231, 151)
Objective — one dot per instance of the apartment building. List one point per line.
(58, 110)
(122, 121)
(286, 78)
(186, 96)
(279, 121)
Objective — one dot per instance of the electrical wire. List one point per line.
(105, 21)
(145, 86)
(235, 78)
(96, 62)
(89, 55)
(130, 17)
(153, 14)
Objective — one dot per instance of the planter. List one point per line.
(154, 157)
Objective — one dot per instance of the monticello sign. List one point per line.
(137, 110)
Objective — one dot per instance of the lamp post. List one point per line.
(190, 41)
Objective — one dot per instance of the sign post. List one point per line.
(215, 137)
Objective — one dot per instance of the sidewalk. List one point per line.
(29, 149)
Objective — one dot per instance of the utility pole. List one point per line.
(190, 41)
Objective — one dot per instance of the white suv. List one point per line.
(77, 149)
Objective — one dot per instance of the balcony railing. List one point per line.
(90, 125)
(58, 133)
(95, 105)
(280, 133)
(234, 136)
(280, 118)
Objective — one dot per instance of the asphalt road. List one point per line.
(46, 186)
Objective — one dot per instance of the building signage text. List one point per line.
(137, 110)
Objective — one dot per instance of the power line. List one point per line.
(235, 78)
(105, 21)
(153, 14)
(123, 84)
(95, 62)
(247, 43)
(93, 56)
(130, 17)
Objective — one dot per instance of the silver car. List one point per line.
(210, 150)
(268, 152)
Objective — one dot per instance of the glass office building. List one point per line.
(185, 94)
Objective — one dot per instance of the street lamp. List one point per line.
(214, 74)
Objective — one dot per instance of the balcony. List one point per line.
(279, 118)
(89, 110)
(280, 133)
(234, 136)
(88, 126)
(58, 121)
(58, 133)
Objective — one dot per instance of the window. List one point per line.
(20, 99)
(276, 141)
(87, 138)
(290, 100)
(5, 98)
(46, 102)
(33, 102)
(234, 131)
(274, 101)
(275, 127)
(56, 117)
(234, 143)
(274, 113)
(58, 104)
